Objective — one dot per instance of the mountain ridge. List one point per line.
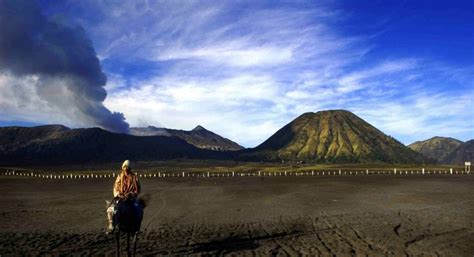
(332, 136)
(48, 145)
(199, 137)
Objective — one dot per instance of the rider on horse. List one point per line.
(126, 185)
(126, 188)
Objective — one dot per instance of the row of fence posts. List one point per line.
(236, 174)
(58, 176)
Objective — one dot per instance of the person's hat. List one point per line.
(126, 163)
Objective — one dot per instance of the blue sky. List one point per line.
(243, 69)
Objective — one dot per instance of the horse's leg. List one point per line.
(135, 237)
(117, 238)
(128, 244)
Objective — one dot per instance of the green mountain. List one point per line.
(437, 148)
(335, 136)
(462, 153)
(199, 137)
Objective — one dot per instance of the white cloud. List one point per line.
(421, 116)
(232, 55)
(355, 80)
(218, 105)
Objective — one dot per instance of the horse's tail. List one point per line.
(144, 200)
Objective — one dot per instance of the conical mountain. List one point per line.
(335, 136)
(437, 148)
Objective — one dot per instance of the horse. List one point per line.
(127, 216)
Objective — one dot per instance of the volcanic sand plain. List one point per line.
(364, 215)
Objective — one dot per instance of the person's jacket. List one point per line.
(126, 185)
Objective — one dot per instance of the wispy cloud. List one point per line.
(422, 115)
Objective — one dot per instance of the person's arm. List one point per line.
(139, 186)
(117, 186)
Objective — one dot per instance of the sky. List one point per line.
(242, 69)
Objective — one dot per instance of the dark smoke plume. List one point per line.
(63, 59)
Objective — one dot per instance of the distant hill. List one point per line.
(335, 136)
(462, 153)
(58, 144)
(199, 137)
(437, 148)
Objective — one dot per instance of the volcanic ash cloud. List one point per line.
(61, 59)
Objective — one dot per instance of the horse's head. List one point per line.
(109, 208)
(110, 214)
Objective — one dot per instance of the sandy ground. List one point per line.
(273, 216)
